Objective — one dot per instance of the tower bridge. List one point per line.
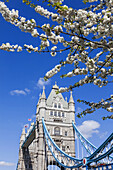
(51, 139)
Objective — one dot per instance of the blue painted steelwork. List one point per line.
(79, 162)
(108, 140)
(64, 156)
(27, 137)
(96, 151)
(102, 156)
(84, 141)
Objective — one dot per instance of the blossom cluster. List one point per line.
(12, 48)
(54, 71)
(48, 14)
(9, 47)
(13, 17)
(8, 15)
(30, 48)
(106, 104)
(55, 1)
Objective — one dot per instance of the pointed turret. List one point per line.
(43, 93)
(71, 98)
(43, 97)
(23, 135)
(71, 103)
(42, 104)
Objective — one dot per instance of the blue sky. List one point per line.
(21, 83)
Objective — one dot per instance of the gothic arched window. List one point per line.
(51, 113)
(62, 114)
(59, 114)
(59, 105)
(57, 131)
(55, 105)
(55, 113)
(65, 133)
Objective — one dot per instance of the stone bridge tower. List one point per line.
(58, 115)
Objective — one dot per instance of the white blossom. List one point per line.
(34, 33)
(62, 89)
(110, 109)
(19, 49)
(54, 48)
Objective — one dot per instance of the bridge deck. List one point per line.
(29, 138)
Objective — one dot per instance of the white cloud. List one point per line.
(88, 128)
(20, 92)
(3, 163)
(17, 92)
(41, 82)
(27, 90)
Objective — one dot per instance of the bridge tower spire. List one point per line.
(21, 160)
(23, 135)
(72, 106)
